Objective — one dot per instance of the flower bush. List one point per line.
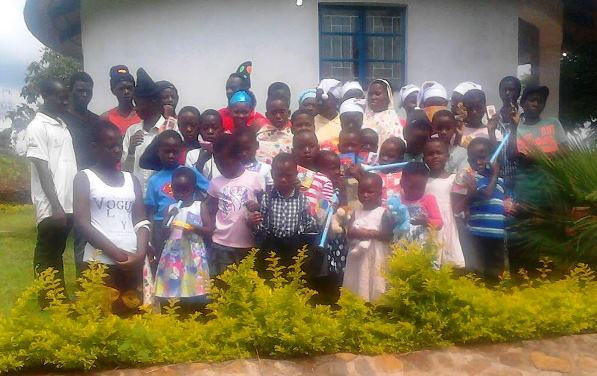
(252, 317)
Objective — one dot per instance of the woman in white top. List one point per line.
(109, 212)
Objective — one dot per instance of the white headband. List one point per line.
(352, 105)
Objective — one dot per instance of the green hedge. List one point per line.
(252, 317)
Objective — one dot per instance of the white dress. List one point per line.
(451, 251)
(366, 258)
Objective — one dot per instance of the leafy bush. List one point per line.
(566, 229)
(252, 317)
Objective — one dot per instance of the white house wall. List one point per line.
(196, 44)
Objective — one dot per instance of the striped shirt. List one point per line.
(487, 217)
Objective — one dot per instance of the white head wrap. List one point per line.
(351, 85)
(463, 87)
(431, 89)
(405, 91)
(353, 105)
(332, 86)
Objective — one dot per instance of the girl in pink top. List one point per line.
(230, 197)
(422, 207)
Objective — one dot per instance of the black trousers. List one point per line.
(286, 249)
(491, 255)
(51, 242)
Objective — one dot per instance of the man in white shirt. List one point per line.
(53, 168)
(138, 136)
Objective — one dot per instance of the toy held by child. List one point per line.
(392, 151)
(182, 270)
(369, 233)
(422, 208)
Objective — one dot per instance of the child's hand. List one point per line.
(492, 124)
(132, 262)
(356, 171)
(252, 206)
(254, 218)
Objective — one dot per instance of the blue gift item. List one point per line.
(400, 215)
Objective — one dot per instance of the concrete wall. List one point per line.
(196, 44)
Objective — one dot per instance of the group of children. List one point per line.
(224, 182)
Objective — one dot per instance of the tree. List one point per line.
(578, 85)
(51, 64)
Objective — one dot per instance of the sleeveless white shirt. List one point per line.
(111, 210)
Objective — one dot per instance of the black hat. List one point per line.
(534, 89)
(146, 87)
(244, 72)
(120, 73)
(166, 85)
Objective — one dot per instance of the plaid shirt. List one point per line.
(284, 217)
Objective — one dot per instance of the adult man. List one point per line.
(53, 168)
(79, 119)
(148, 105)
(80, 122)
(122, 85)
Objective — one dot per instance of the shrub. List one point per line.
(251, 317)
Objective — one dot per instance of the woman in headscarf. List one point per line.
(380, 114)
(308, 101)
(241, 111)
(241, 81)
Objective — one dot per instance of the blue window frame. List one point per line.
(362, 43)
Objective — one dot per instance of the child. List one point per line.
(162, 155)
(210, 127)
(308, 102)
(109, 212)
(283, 220)
(444, 126)
(369, 140)
(509, 90)
(188, 125)
(182, 270)
(369, 234)
(416, 134)
(276, 136)
(315, 185)
(279, 90)
(349, 141)
(246, 139)
(352, 112)
(475, 108)
(439, 185)
(391, 151)
(301, 120)
(328, 163)
(481, 193)
(228, 194)
(422, 207)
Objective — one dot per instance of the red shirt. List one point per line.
(255, 119)
(122, 122)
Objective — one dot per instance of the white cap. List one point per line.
(406, 90)
(463, 87)
(351, 85)
(352, 105)
(431, 89)
(330, 85)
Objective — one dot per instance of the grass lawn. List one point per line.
(17, 242)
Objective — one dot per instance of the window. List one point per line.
(361, 43)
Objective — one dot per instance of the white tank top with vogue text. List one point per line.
(111, 213)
